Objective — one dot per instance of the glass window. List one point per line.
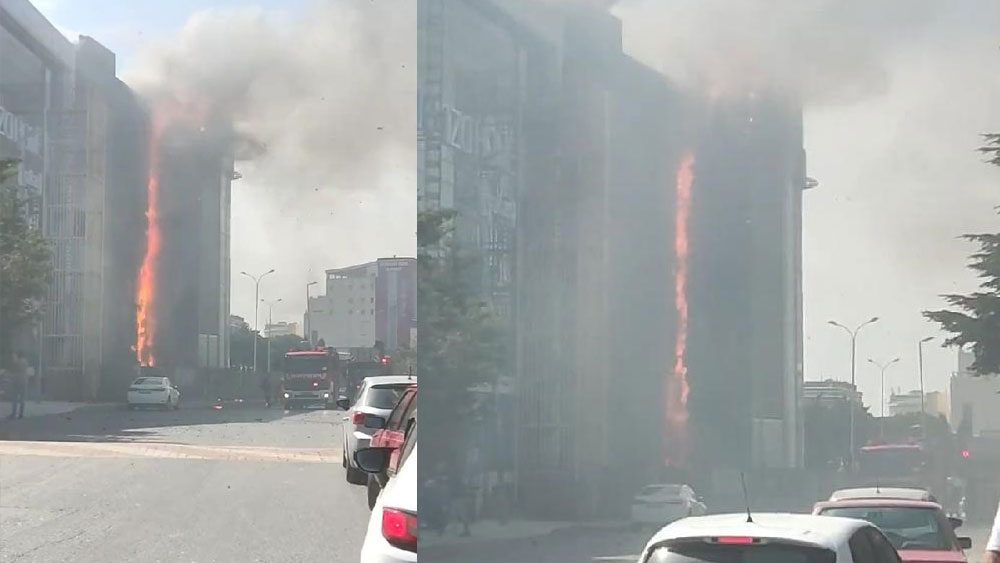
(769, 553)
(397, 413)
(905, 527)
(384, 396)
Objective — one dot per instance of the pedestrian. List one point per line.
(19, 386)
(266, 387)
(993, 545)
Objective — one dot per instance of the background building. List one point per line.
(975, 400)
(365, 303)
(830, 392)
(935, 403)
(281, 329)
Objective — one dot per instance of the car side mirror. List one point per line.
(372, 460)
(965, 543)
(343, 403)
(955, 522)
(374, 422)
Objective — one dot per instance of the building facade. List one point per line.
(599, 141)
(281, 329)
(76, 129)
(366, 303)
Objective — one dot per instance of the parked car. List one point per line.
(769, 538)
(662, 504)
(376, 397)
(391, 435)
(392, 527)
(919, 530)
(153, 391)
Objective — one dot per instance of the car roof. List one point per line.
(805, 529)
(876, 502)
(388, 380)
(910, 493)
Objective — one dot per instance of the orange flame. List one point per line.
(145, 327)
(677, 386)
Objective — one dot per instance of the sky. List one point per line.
(337, 185)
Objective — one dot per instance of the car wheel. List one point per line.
(343, 459)
(373, 492)
(354, 475)
(167, 406)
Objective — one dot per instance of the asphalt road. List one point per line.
(235, 484)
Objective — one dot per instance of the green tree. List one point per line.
(25, 262)
(462, 343)
(974, 319)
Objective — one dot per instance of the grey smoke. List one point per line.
(323, 107)
(321, 92)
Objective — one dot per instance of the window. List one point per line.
(884, 551)
(767, 553)
(385, 396)
(861, 547)
(396, 416)
(409, 444)
(905, 527)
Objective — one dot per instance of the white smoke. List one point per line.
(330, 96)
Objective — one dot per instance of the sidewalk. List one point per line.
(44, 408)
(489, 531)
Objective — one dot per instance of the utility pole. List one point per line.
(309, 315)
(882, 368)
(270, 323)
(854, 350)
(920, 361)
(256, 309)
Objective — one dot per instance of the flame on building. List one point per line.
(677, 386)
(145, 322)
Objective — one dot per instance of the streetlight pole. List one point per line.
(309, 314)
(256, 309)
(882, 368)
(920, 361)
(270, 310)
(854, 350)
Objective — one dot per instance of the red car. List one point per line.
(919, 530)
(392, 435)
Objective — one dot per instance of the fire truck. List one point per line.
(911, 463)
(309, 377)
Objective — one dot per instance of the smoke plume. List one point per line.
(314, 101)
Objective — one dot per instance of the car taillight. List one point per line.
(400, 529)
(358, 417)
(735, 540)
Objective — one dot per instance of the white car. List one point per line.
(662, 504)
(392, 527)
(769, 538)
(153, 391)
(377, 396)
(903, 493)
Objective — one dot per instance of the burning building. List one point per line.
(183, 286)
(75, 127)
(656, 293)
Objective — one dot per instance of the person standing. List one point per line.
(19, 386)
(993, 545)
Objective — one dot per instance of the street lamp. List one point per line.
(256, 308)
(270, 309)
(854, 349)
(309, 314)
(920, 362)
(882, 368)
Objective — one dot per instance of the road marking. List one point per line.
(170, 451)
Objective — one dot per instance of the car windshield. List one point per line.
(384, 396)
(770, 553)
(906, 528)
